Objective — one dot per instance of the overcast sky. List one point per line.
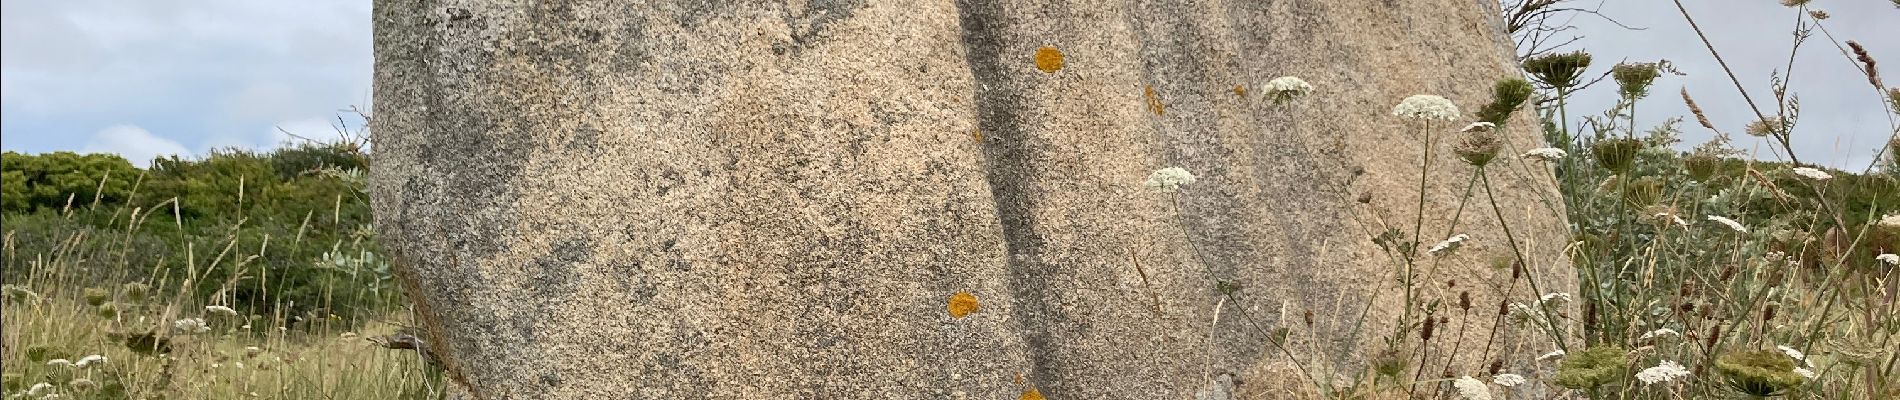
(143, 78)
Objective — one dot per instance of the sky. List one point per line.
(153, 77)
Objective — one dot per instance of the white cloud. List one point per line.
(134, 143)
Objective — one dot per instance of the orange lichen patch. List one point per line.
(1154, 101)
(1240, 90)
(1032, 394)
(1048, 59)
(963, 303)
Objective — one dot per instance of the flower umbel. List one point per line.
(1287, 88)
(1508, 380)
(1889, 258)
(1168, 180)
(227, 311)
(1449, 244)
(1667, 371)
(1730, 223)
(1812, 173)
(1545, 154)
(190, 325)
(1472, 389)
(1425, 107)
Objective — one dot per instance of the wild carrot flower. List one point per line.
(19, 293)
(1731, 224)
(1449, 244)
(1794, 354)
(1667, 371)
(1553, 299)
(37, 388)
(1671, 218)
(1552, 354)
(1759, 373)
(59, 362)
(1508, 380)
(89, 360)
(1479, 126)
(1660, 333)
(1546, 154)
(1425, 107)
(221, 310)
(1805, 373)
(1890, 221)
(1889, 258)
(1287, 88)
(1479, 146)
(1771, 126)
(1472, 388)
(1592, 367)
(1168, 180)
(1812, 173)
(190, 325)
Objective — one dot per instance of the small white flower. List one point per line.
(1805, 373)
(89, 360)
(1287, 87)
(1551, 355)
(1554, 299)
(1545, 154)
(1425, 107)
(1795, 354)
(252, 351)
(1472, 388)
(1812, 173)
(191, 325)
(221, 310)
(348, 335)
(1890, 221)
(1660, 333)
(1508, 380)
(1168, 180)
(1889, 258)
(37, 388)
(1731, 224)
(1449, 244)
(59, 362)
(1666, 371)
(1479, 126)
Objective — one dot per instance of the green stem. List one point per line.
(1529, 275)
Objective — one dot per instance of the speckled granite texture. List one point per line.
(775, 200)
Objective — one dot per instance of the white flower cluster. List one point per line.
(1889, 258)
(89, 360)
(1472, 389)
(1660, 333)
(1425, 107)
(191, 325)
(1805, 373)
(1551, 355)
(1795, 354)
(1168, 180)
(1288, 87)
(1554, 299)
(221, 310)
(1449, 244)
(1667, 371)
(1890, 221)
(1508, 380)
(1478, 127)
(1672, 218)
(1812, 173)
(1730, 223)
(1546, 154)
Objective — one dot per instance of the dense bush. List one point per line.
(281, 231)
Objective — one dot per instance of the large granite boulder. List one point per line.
(773, 200)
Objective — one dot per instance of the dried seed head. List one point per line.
(1308, 317)
(1479, 148)
(1867, 62)
(1794, 3)
(1818, 14)
(1558, 70)
(1633, 79)
(1425, 333)
(1496, 366)
(1766, 127)
(1700, 118)
(1464, 301)
(1767, 313)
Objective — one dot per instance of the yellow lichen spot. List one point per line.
(977, 134)
(1154, 101)
(961, 304)
(1048, 59)
(1032, 394)
(1240, 90)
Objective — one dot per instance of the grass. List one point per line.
(80, 299)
